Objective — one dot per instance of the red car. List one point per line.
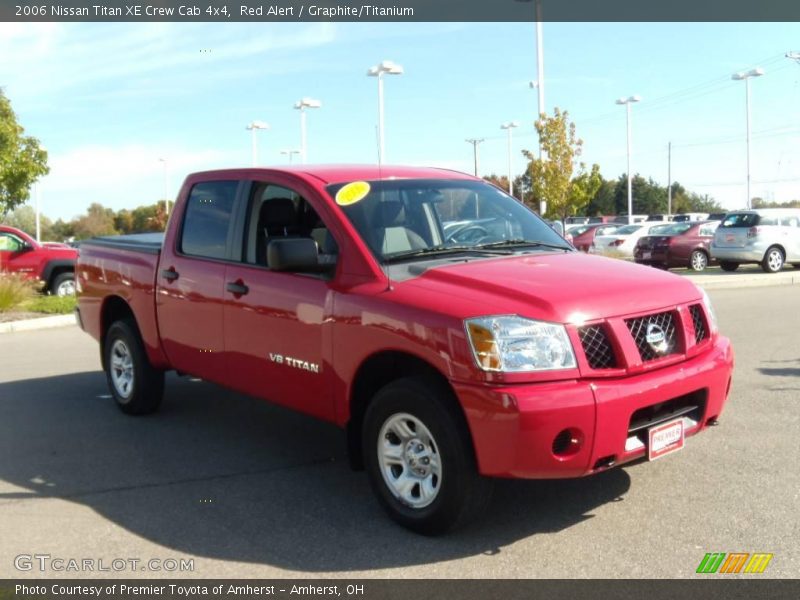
(677, 245)
(448, 361)
(583, 235)
(52, 264)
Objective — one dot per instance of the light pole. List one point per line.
(166, 198)
(627, 103)
(390, 68)
(38, 203)
(253, 127)
(290, 153)
(757, 72)
(475, 142)
(508, 127)
(302, 105)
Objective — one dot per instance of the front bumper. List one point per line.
(516, 427)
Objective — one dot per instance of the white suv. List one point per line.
(769, 236)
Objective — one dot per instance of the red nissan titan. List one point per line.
(447, 328)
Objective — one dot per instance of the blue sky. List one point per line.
(108, 100)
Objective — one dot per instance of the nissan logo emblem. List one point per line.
(657, 339)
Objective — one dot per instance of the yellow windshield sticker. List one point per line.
(352, 193)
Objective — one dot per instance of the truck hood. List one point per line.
(563, 288)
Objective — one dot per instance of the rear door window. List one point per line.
(207, 222)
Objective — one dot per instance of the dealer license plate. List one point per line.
(665, 438)
(646, 255)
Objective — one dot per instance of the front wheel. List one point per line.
(728, 266)
(420, 459)
(698, 261)
(136, 386)
(63, 284)
(773, 260)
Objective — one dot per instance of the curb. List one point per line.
(34, 324)
(730, 281)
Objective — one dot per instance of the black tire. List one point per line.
(462, 493)
(773, 260)
(62, 284)
(728, 266)
(146, 388)
(698, 261)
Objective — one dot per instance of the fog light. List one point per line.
(567, 442)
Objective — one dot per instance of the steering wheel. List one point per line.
(472, 233)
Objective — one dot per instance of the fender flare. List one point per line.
(56, 264)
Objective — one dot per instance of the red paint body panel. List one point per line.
(332, 326)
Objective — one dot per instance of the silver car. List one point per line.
(768, 236)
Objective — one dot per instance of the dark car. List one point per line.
(677, 245)
(583, 235)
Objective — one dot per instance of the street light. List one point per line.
(253, 127)
(38, 203)
(475, 143)
(627, 103)
(302, 105)
(290, 153)
(166, 198)
(390, 68)
(757, 72)
(508, 127)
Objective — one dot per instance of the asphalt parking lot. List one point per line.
(251, 490)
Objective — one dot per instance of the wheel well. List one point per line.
(376, 372)
(114, 309)
(779, 247)
(58, 271)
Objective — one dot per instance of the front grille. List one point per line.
(597, 347)
(700, 332)
(654, 335)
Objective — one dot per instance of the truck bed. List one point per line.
(138, 242)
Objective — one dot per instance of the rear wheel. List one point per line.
(698, 261)
(728, 266)
(136, 386)
(63, 284)
(419, 458)
(773, 260)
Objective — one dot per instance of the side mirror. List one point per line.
(26, 247)
(294, 254)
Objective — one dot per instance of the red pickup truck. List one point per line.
(51, 264)
(451, 332)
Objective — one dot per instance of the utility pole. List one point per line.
(669, 178)
(475, 142)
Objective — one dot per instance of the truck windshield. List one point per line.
(413, 218)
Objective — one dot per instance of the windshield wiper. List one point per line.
(520, 243)
(439, 250)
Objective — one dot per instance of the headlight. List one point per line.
(709, 310)
(512, 344)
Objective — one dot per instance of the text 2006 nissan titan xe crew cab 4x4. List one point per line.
(451, 332)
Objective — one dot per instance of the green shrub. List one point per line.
(14, 290)
(52, 305)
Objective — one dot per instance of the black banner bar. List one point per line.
(708, 587)
(398, 10)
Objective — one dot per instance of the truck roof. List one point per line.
(330, 174)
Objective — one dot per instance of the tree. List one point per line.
(500, 181)
(98, 220)
(602, 203)
(557, 178)
(24, 218)
(22, 160)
